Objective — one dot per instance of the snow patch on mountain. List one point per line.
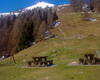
(41, 4)
(12, 13)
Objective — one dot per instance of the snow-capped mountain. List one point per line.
(39, 4)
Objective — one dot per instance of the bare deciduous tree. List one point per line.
(18, 32)
(77, 5)
(93, 5)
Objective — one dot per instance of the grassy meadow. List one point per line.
(75, 37)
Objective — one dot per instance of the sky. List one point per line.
(13, 5)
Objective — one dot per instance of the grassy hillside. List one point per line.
(74, 38)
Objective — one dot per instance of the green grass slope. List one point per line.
(66, 48)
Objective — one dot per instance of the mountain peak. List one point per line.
(41, 4)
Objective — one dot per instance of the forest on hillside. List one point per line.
(19, 31)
